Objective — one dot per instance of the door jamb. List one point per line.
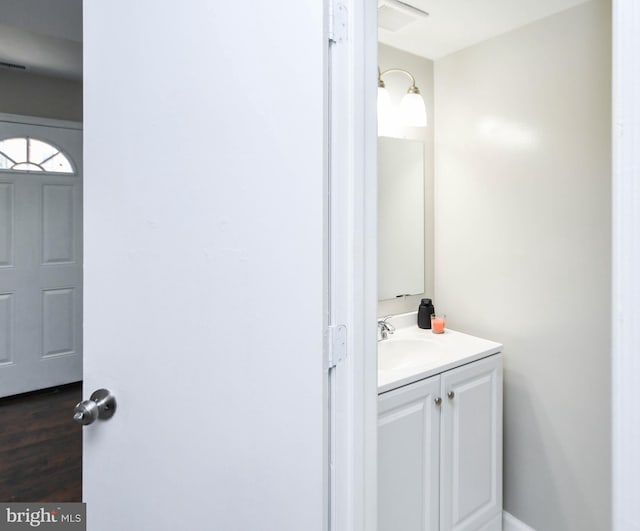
(352, 231)
(625, 368)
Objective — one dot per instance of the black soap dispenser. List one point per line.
(425, 311)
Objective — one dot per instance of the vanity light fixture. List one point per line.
(412, 109)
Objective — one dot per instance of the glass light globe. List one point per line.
(413, 110)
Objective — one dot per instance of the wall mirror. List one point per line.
(400, 218)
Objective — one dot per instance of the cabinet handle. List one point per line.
(438, 401)
(451, 395)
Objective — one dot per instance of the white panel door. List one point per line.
(471, 447)
(204, 265)
(40, 262)
(409, 457)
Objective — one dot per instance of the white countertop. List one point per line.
(412, 354)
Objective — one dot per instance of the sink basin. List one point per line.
(394, 354)
(412, 354)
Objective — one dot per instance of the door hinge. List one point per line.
(335, 345)
(338, 22)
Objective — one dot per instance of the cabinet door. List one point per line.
(408, 457)
(471, 446)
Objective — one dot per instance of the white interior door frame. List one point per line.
(626, 264)
(352, 189)
(353, 151)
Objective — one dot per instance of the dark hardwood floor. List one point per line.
(41, 447)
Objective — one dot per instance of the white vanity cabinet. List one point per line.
(440, 451)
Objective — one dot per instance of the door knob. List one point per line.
(451, 395)
(101, 405)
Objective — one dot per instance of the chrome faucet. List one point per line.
(385, 328)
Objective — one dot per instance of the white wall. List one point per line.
(397, 85)
(44, 96)
(523, 186)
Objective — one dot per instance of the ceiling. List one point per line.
(45, 36)
(456, 24)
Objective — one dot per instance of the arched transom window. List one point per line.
(31, 154)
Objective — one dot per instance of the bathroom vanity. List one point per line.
(439, 431)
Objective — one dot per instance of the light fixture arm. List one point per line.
(413, 89)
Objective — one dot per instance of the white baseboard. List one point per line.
(495, 524)
(511, 523)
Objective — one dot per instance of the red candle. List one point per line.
(437, 324)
